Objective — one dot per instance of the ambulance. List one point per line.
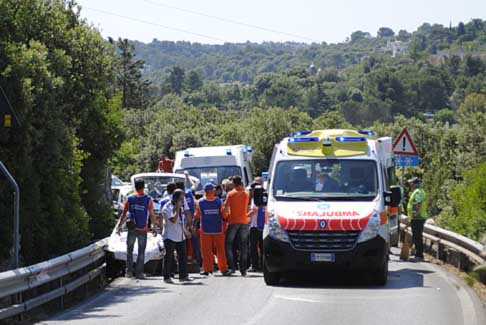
(213, 164)
(331, 204)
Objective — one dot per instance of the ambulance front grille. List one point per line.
(323, 240)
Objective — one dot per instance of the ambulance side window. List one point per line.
(391, 177)
(246, 176)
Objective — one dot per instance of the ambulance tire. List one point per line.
(271, 278)
(380, 276)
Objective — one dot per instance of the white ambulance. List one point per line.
(331, 204)
(213, 164)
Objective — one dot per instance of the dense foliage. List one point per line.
(85, 108)
(57, 73)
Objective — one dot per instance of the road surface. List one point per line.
(416, 293)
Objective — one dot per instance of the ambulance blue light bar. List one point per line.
(186, 153)
(350, 139)
(301, 133)
(249, 149)
(369, 133)
(228, 152)
(311, 139)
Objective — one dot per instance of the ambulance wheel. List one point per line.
(271, 278)
(380, 276)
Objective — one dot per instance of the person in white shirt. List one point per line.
(174, 236)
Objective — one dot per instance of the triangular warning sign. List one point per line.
(403, 145)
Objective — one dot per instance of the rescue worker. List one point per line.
(140, 206)
(236, 205)
(417, 212)
(210, 214)
(175, 236)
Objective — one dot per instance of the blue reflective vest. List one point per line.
(211, 218)
(139, 209)
(261, 218)
(190, 201)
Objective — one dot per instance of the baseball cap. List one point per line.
(208, 186)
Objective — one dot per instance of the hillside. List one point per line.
(243, 62)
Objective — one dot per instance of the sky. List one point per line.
(218, 21)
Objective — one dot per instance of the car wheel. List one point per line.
(380, 276)
(271, 278)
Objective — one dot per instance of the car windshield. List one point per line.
(155, 185)
(115, 181)
(213, 175)
(326, 179)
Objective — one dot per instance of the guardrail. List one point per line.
(450, 247)
(61, 275)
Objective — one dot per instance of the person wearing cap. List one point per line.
(210, 214)
(417, 212)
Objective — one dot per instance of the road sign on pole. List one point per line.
(404, 145)
(407, 161)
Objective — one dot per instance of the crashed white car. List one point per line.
(155, 186)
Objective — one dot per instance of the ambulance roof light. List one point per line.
(249, 149)
(228, 152)
(350, 139)
(301, 133)
(311, 139)
(366, 132)
(186, 153)
(326, 142)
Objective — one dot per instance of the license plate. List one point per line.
(322, 257)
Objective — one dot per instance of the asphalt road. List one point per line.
(416, 293)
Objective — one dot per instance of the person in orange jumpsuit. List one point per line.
(210, 213)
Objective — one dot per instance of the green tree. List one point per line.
(129, 75)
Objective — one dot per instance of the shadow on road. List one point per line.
(93, 309)
(397, 279)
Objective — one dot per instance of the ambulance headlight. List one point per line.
(275, 229)
(371, 229)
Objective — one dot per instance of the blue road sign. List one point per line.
(407, 161)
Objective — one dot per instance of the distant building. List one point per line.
(439, 58)
(398, 48)
(312, 70)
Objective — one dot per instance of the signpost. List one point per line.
(406, 152)
(8, 118)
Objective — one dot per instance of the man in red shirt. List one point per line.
(236, 205)
(165, 164)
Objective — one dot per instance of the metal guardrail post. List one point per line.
(16, 231)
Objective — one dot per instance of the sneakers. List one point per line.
(227, 273)
(186, 279)
(169, 281)
(231, 271)
(243, 273)
(205, 273)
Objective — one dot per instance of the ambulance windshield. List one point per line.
(326, 179)
(213, 175)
